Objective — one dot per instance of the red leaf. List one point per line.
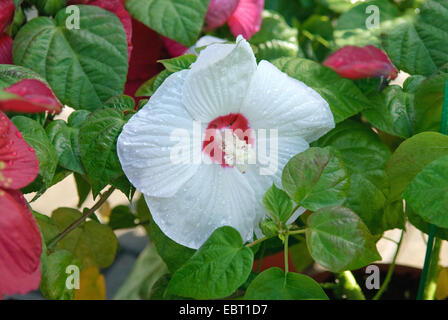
(219, 12)
(5, 49)
(246, 20)
(175, 49)
(18, 162)
(20, 246)
(6, 13)
(361, 62)
(31, 95)
(148, 48)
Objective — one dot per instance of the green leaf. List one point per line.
(122, 103)
(427, 194)
(66, 142)
(300, 255)
(49, 7)
(86, 66)
(121, 217)
(316, 178)
(424, 226)
(53, 282)
(216, 270)
(365, 156)
(179, 63)
(273, 284)
(275, 39)
(411, 157)
(420, 46)
(47, 226)
(428, 103)
(98, 146)
(180, 20)
(92, 243)
(339, 6)
(269, 228)
(122, 183)
(10, 74)
(343, 96)
(35, 135)
(172, 65)
(147, 270)
(82, 187)
(316, 37)
(338, 240)
(291, 10)
(393, 112)
(149, 87)
(277, 203)
(351, 28)
(174, 254)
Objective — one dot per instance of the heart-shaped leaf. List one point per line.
(338, 240)
(85, 66)
(216, 270)
(273, 284)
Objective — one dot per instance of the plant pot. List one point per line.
(402, 286)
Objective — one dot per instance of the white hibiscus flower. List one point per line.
(224, 90)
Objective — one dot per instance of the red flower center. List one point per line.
(224, 136)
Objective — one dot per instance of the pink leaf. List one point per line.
(246, 20)
(219, 12)
(18, 162)
(30, 95)
(6, 13)
(5, 49)
(361, 62)
(20, 246)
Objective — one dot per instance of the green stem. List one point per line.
(75, 224)
(286, 254)
(348, 286)
(253, 243)
(297, 232)
(390, 272)
(433, 228)
(429, 247)
(433, 274)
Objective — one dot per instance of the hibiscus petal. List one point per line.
(287, 148)
(20, 246)
(30, 95)
(246, 20)
(219, 79)
(5, 49)
(18, 162)
(116, 6)
(219, 11)
(277, 101)
(361, 62)
(6, 13)
(145, 144)
(212, 198)
(204, 42)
